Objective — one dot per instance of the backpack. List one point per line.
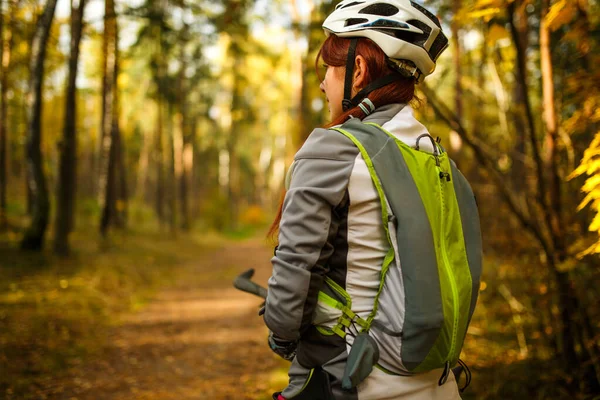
(431, 221)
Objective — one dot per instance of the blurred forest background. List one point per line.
(138, 136)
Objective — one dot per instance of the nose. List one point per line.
(322, 86)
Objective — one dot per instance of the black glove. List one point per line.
(283, 348)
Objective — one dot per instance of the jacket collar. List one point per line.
(384, 114)
(398, 119)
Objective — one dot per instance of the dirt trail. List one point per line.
(201, 339)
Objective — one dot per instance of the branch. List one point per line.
(516, 308)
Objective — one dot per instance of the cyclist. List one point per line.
(376, 273)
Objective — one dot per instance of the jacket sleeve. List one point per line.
(318, 184)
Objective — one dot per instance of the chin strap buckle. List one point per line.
(346, 104)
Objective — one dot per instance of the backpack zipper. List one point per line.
(446, 176)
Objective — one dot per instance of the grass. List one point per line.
(54, 312)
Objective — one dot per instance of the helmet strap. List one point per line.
(351, 102)
(376, 84)
(346, 103)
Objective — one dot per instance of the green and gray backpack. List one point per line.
(432, 225)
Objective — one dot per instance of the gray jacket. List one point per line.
(331, 226)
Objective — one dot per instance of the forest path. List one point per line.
(201, 339)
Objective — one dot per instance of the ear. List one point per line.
(360, 74)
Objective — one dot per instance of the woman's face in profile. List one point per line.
(333, 87)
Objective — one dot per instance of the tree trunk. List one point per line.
(6, 45)
(520, 34)
(109, 190)
(110, 120)
(551, 125)
(3, 164)
(158, 157)
(122, 192)
(455, 142)
(185, 151)
(306, 117)
(299, 94)
(34, 235)
(142, 170)
(233, 187)
(194, 185)
(159, 72)
(458, 103)
(100, 163)
(568, 303)
(170, 159)
(237, 52)
(67, 178)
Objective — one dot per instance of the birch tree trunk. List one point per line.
(184, 147)
(67, 176)
(34, 235)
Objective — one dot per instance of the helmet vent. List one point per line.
(439, 44)
(381, 9)
(386, 23)
(355, 21)
(355, 3)
(429, 15)
(410, 37)
(418, 39)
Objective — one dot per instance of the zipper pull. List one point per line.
(445, 175)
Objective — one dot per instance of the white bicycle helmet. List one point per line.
(403, 29)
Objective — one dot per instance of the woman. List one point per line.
(376, 274)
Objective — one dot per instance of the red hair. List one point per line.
(334, 52)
